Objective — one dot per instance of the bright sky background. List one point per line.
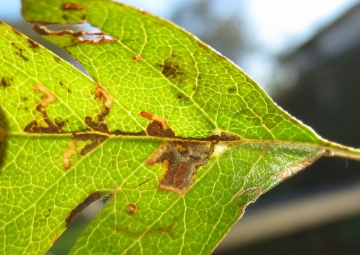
(279, 24)
(283, 23)
(276, 26)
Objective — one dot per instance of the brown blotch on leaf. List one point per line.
(72, 7)
(137, 57)
(75, 212)
(158, 125)
(232, 90)
(34, 45)
(6, 82)
(132, 208)
(182, 159)
(171, 68)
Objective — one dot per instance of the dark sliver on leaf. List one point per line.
(75, 212)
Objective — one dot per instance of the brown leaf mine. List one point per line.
(67, 154)
(46, 100)
(158, 125)
(182, 159)
(81, 36)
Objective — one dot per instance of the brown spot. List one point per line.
(72, 7)
(34, 45)
(65, 16)
(75, 212)
(171, 68)
(132, 209)
(158, 125)
(6, 82)
(232, 90)
(57, 59)
(181, 96)
(137, 57)
(19, 52)
(182, 161)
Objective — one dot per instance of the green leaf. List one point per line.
(176, 137)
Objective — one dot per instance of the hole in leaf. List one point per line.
(84, 33)
(63, 244)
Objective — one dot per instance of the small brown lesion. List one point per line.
(137, 57)
(34, 45)
(19, 52)
(158, 125)
(132, 208)
(171, 67)
(6, 82)
(182, 160)
(72, 7)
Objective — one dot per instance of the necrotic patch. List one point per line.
(182, 161)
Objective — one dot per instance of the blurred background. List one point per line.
(306, 55)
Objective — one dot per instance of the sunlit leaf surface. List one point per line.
(177, 138)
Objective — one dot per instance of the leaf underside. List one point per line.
(177, 137)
